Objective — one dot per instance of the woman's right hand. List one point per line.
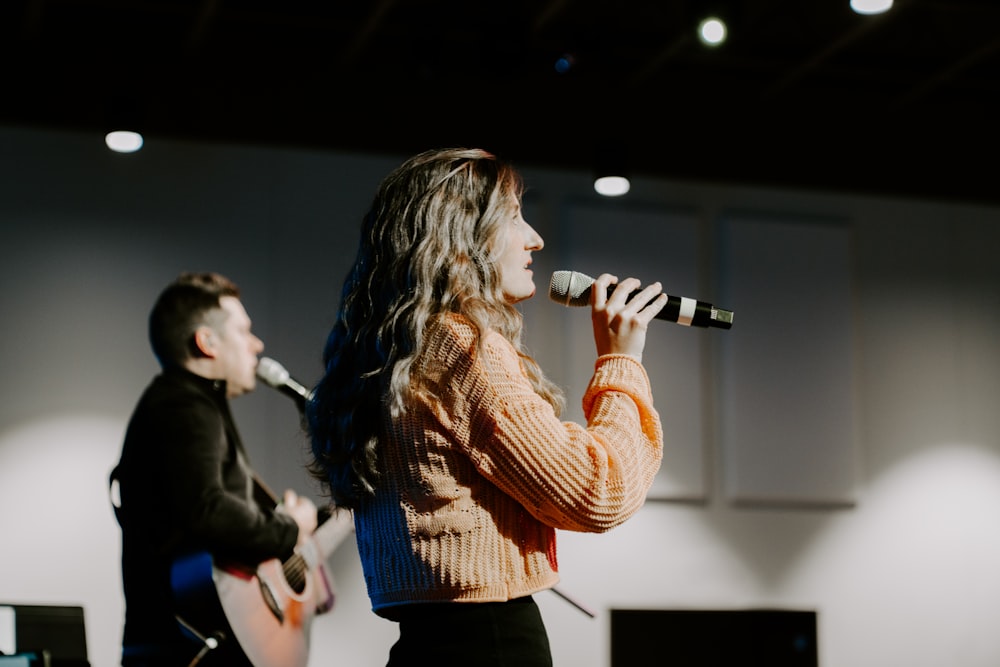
(619, 322)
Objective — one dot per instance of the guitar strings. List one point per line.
(295, 570)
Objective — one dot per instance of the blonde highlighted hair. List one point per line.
(427, 249)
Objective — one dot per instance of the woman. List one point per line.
(437, 429)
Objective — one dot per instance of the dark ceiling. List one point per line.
(805, 93)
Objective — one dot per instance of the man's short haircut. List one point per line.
(184, 305)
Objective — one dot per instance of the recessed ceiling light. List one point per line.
(871, 6)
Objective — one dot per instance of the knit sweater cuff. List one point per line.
(618, 372)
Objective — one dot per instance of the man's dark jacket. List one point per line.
(185, 486)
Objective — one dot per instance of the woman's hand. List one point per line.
(619, 322)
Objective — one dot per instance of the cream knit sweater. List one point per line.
(476, 482)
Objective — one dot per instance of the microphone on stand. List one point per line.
(571, 288)
(275, 375)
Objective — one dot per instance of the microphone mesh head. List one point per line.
(570, 288)
(271, 372)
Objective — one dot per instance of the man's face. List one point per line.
(237, 348)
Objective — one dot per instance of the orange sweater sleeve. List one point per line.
(568, 476)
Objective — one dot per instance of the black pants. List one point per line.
(471, 634)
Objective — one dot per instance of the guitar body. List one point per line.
(266, 638)
(267, 611)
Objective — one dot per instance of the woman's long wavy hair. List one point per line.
(427, 249)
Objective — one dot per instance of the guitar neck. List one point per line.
(262, 493)
(325, 539)
(333, 531)
(322, 543)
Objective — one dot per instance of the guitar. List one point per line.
(268, 610)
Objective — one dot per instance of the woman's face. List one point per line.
(517, 241)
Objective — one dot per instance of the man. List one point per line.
(184, 483)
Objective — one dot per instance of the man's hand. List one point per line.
(303, 510)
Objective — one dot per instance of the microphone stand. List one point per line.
(573, 602)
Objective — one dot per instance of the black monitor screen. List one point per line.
(59, 631)
(713, 638)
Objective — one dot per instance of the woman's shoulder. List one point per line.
(456, 326)
(463, 332)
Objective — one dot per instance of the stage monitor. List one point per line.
(55, 631)
(713, 638)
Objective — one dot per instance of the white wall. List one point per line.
(906, 575)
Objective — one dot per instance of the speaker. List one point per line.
(713, 638)
(57, 632)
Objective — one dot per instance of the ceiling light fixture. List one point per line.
(612, 179)
(612, 186)
(712, 31)
(871, 6)
(123, 141)
(124, 114)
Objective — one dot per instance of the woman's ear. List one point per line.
(205, 341)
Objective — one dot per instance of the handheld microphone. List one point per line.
(275, 375)
(571, 288)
